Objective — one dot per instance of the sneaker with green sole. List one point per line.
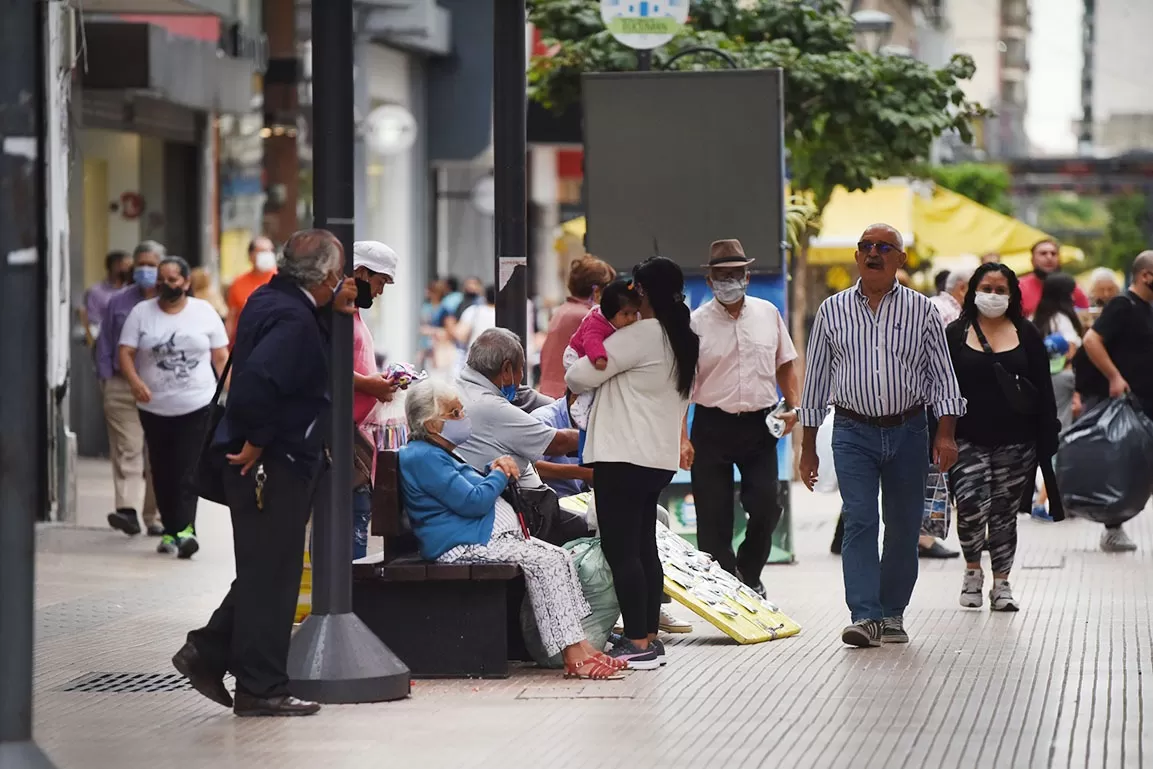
(186, 544)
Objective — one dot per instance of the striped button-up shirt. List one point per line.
(878, 364)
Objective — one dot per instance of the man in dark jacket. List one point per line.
(269, 448)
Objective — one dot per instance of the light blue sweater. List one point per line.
(448, 502)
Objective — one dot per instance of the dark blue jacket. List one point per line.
(279, 395)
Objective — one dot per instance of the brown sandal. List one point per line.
(592, 669)
(612, 662)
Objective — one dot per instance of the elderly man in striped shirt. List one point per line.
(877, 352)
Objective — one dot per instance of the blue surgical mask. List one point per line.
(144, 276)
(509, 392)
(457, 431)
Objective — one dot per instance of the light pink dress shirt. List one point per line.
(737, 369)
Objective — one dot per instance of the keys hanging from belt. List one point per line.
(260, 478)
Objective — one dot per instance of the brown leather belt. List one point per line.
(894, 420)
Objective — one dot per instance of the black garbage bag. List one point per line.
(1105, 462)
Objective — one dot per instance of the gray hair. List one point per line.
(310, 256)
(149, 247)
(423, 402)
(492, 349)
(1103, 273)
(957, 278)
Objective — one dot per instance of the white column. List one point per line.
(543, 192)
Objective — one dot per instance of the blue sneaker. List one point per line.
(637, 658)
(659, 648)
(1041, 514)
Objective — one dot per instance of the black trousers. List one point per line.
(249, 634)
(720, 441)
(627, 497)
(174, 445)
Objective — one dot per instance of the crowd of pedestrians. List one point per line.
(976, 382)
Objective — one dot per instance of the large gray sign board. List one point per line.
(684, 158)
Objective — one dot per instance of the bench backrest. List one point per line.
(388, 517)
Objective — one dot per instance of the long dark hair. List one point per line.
(661, 280)
(969, 308)
(1056, 297)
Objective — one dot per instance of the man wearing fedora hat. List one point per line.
(746, 353)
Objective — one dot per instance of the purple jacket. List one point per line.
(108, 343)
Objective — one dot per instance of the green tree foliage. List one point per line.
(1125, 235)
(986, 183)
(851, 116)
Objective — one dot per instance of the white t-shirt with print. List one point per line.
(174, 354)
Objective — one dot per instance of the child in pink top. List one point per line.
(619, 307)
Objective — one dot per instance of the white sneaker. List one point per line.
(1117, 541)
(671, 624)
(1001, 597)
(971, 588)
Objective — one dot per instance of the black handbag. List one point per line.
(543, 516)
(206, 477)
(1019, 391)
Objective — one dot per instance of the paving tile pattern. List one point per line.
(1063, 683)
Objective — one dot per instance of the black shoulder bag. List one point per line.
(206, 479)
(1019, 391)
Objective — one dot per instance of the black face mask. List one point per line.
(363, 294)
(170, 293)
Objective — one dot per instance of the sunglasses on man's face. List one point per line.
(884, 249)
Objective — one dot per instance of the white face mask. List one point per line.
(991, 305)
(265, 261)
(729, 291)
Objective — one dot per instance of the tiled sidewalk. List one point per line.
(1060, 684)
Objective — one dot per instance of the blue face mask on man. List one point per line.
(145, 276)
(509, 392)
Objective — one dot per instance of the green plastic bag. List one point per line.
(596, 580)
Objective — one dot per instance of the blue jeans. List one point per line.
(361, 513)
(870, 460)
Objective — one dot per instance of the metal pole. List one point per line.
(509, 139)
(23, 445)
(334, 657)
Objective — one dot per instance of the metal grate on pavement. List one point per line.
(127, 683)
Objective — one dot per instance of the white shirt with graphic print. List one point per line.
(174, 354)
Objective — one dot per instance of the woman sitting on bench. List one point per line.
(459, 516)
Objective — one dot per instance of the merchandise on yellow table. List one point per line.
(304, 601)
(695, 580)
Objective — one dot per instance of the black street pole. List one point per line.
(23, 445)
(334, 657)
(509, 140)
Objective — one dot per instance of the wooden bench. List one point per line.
(443, 620)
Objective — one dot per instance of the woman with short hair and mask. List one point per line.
(1010, 426)
(172, 350)
(459, 515)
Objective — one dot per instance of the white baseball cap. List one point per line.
(374, 255)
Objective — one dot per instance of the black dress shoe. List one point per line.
(125, 521)
(936, 551)
(203, 679)
(285, 705)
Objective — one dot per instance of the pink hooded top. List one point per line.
(590, 336)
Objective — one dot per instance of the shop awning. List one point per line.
(949, 226)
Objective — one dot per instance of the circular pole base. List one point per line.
(23, 755)
(335, 659)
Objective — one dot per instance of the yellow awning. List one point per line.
(848, 214)
(575, 227)
(949, 225)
